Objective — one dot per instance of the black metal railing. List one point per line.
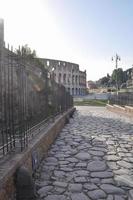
(122, 99)
(28, 98)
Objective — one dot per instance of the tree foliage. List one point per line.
(104, 81)
(117, 76)
(26, 52)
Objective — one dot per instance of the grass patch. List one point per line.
(92, 102)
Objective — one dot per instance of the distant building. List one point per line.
(91, 85)
(130, 80)
(132, 76)
(67, 74)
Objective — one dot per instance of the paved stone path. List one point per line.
(92, 159)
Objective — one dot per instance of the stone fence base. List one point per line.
(31, 157)
(126, 110)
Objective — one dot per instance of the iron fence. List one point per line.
(122, 99)
(28, 98)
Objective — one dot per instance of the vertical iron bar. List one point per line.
(1, 90)
(9, 100)
(12, 99)
(6, 66)
(20, 101)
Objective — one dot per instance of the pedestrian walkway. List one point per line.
(92, 159)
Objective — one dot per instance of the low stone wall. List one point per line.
(31, 157)
(127, 110)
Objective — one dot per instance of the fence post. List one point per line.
(1, 96)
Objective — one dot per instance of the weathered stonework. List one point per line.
(36, 150)
(68, 74)
(77, 173)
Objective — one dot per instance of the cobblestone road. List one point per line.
(91, 159)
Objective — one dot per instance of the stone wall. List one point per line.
(31, 157)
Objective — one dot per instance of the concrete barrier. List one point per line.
(31, 157)
(127, 110)
(119, 109)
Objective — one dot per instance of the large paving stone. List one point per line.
(113, 165)
(104, 174)
(75, 187)
(110, 197)
(59, 173)
(96, 166)
(79, 196)
(60, 184)
(97, 194)
(128, 159)
(111, 189)
(82, 173)
(83, 156)
(124, 180)
(73, 160)
(122, 171)
(51, 159)
(95, 180)
(63, 162)
(95, 158)
(131, 195)
(55, 197)
(96, 153)
(60, 155)
(90, 186)
(112, 158)
(118, 197)
(81, 164)
(66, 169)
(59, 190)
(125, 164)
(80, 180)
(108, 180)
(83, 147)
(99, 149)
(44, 190)
(40, 184)
(127, 155)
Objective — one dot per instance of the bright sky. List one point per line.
(87, 32)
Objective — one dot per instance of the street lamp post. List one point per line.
(116, 58)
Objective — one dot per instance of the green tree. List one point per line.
(27, 53)
(104, 81)
(117, 77)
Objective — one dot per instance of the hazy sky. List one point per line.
(87, 32)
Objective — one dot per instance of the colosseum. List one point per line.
(67, 74)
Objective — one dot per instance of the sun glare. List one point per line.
(26, 21)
